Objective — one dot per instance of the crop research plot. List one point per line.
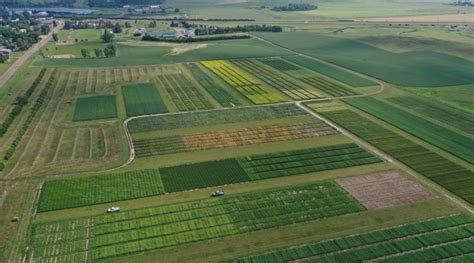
(256, 135)
(248, 87)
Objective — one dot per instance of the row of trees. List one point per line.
(191, 40)
(295, 7)
(212, 30)
(109, 51)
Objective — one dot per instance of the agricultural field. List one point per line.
(448, 174)
(90, 190)
(95, 108)
(277, 132)
(142, 99)
(453, 142)
(309, 77)
(248, 87)
(436, 111)
(412, 69)
(446, 238)
(102, 237)
(184, 94)
(285, 85)
(189, 120)
(229, 138)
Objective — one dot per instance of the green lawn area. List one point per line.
(95, 108)
(152, 53)
(416, 68)
(141, 99)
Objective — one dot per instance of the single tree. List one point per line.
(117, 28)
(107, 36)
(55, 37)
(98, 52)
(85, 53)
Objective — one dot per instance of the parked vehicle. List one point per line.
(217, 193)
(113, 209)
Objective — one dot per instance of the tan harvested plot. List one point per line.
(385, 190)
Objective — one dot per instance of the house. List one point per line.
(190, 32)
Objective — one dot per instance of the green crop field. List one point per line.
(330, 71)
(95, 108)
(158, 54)
(309, 77)
(444, 172)
(453, 142)
(433, 240)
(90, 190)
(200, 175)
(407, 69)
(450, 116)
(185, 95)
(142, 99)
(200, 220)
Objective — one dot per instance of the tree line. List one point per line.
(294, 7)
(191, 40)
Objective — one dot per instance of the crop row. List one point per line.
(444, 138)
(309, 77)
(426, 241)
(83, 191)
(444, 172)
(200, 220)
(450, 116)
(252, 90)
(230, 138)
(306, 161)
(222, 96)
(188, 120)
(185, 95)
(282, 83)
(34, 110)
(20, 103)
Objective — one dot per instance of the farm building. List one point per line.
(164, 34)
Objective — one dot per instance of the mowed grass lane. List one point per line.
(142, 99)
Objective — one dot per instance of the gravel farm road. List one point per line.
(19, 62)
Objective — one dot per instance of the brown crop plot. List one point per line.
(230, 138)
(385, 190)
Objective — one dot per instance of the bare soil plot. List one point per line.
(385, 190)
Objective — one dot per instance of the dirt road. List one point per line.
(19, 62)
